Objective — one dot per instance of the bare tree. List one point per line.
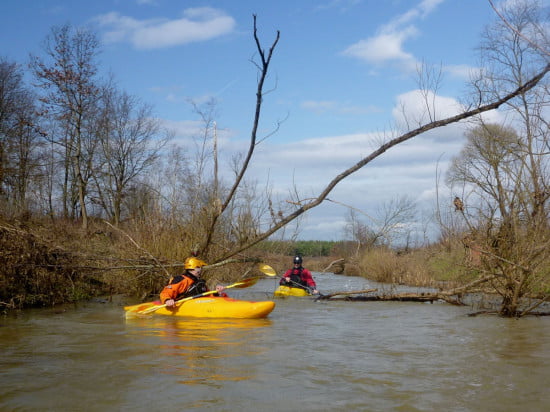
(71, 94)
(505, 169)
(131, 140)
(206, 150)
(391, 224)
(19, 136)
(263, 65)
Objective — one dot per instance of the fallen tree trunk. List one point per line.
(452, 296)
(400, 297)
(352, 292)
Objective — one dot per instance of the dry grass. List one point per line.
(430, 267)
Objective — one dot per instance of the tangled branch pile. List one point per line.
(33, 273)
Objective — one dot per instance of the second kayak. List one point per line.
(290, 291)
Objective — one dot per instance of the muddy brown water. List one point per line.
(306, 356)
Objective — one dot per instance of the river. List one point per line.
(306, 356)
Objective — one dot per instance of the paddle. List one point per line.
(245, 283)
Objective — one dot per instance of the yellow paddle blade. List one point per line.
(267, 270)
(245, 283)
(139, 307)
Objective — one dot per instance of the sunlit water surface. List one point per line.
(306, 356)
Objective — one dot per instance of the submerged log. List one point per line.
(399, 297)
(352, 292)
(452, 296)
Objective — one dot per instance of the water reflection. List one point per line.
(194, 328)
(200, 351)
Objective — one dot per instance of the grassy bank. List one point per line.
(44, 264)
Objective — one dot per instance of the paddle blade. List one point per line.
(245, 283)
(139, 307)
(267, 270)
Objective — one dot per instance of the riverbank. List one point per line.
(44, 264)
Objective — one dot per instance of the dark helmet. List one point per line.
(297, 260)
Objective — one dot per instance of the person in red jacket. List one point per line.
(299, 277)
(188, 284)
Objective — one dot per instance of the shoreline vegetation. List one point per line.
(45, 265)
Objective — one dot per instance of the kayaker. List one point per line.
(299, 277)
(188, 284)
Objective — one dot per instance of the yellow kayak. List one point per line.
(211, 307)
(290, 291)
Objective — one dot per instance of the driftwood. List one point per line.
(352, 292)
(334, 262)
(404, 297)
(452, 296)
(399, 297)
(495, 312)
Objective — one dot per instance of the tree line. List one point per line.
(74, 143)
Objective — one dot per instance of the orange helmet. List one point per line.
(193, 262)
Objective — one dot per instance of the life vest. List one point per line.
(296, 278)
(197, 287)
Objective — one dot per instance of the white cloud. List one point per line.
(387, 45)
(382, 48)
(418, 107)
(326, 226)
(197, 24)
(427, 6)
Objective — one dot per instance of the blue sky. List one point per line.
(341, 75)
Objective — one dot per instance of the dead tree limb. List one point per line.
(404, 297)
(334, 262)
(352, 292)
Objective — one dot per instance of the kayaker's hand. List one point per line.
(287, 280)
(219, 288)
(170, 303)
(315, 292)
